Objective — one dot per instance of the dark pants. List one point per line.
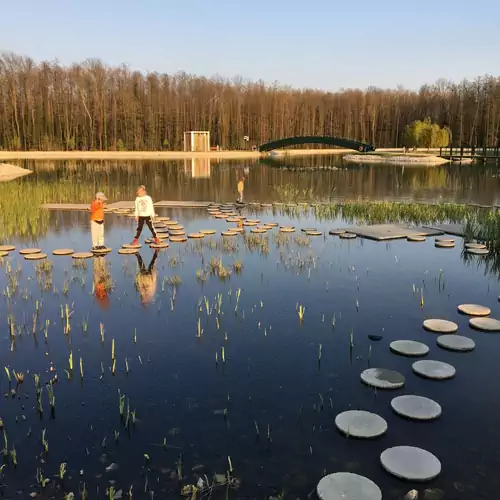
(142, 266)
(140, 225)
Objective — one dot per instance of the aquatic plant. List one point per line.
(301, 310)
(45, 443)
(62, 470)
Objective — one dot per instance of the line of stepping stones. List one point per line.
(405, 462)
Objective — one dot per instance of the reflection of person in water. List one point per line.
(145, 281)
(102, 280)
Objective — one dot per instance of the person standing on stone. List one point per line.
(241, 188)
(144, 214)
(97, 221)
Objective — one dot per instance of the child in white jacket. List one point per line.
(144, 213)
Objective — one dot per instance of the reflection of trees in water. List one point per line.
(490, 262)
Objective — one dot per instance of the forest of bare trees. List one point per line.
(90, 106)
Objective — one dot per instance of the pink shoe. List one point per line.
(135, 241)
(157, 241)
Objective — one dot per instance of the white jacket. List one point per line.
(144, 206)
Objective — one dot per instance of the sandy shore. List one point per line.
(165, 155)
(423, 159)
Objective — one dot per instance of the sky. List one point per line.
(321, 44)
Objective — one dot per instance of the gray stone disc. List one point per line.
(130, 245)
(409, 348)
(410, 463)
(7, 248)
(444, 244)
(336, 232)
(347, 236)
(477, 246)
(382, 378)
(477, 251)
(435, 370)
(416, 407)
(347, 486)
(456, 343)
(440, 326)
(360, 424)
(474, 310)
(416, 239)
(35, 256)
(440, 239)
(29, 251)
(485, 324)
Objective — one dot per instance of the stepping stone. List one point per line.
(360, 424)
(485, 324)
(158, 245)
(477, 246)
(258, 230)
(3, 254)
(232, 219)
(347, 236)
(161, 230)
(101, 251)
(35, 256)
(266, 228)
(347, 486)
(177, 232)
(236, 230)
(195, 235)
(221, 216)
(62, 251)
(246, 223)
(416, 239)
(440, 326)
(314, 233)
(382, 378)
(416, 407)
(29, 251)
(435, 370)
(444, 244)
(162, 219)
(271, 224)
(456, 343)
(82, 255)
(171, 223)
(128, 251)
(7, 248)
(410, 463)
(336, 232)
(129, 245)
(477, 251)
(444, 240)
(178, 239)
(305, 229)
(229, 233)
(208, 231)
(474, 310)
(287, 229)
(256, 221)
(409, 348)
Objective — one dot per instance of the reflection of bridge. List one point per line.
(316, 139)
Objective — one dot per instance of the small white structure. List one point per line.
(197, 141)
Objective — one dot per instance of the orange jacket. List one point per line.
(97, 210)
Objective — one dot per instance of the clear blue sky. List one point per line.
(312, 43)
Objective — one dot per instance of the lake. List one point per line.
(201, 372)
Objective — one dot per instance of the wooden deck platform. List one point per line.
(127, 205)
(453, 229)
(386, 232)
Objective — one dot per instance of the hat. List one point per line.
(100, 196)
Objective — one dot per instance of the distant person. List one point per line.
(146, 279)
(101, 282)
(97, 221)
(144, 214)
(241, 188)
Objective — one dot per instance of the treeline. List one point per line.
(91, 106)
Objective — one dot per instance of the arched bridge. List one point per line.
(316, 139)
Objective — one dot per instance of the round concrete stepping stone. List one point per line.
(158, 245)
(3, 254)
(257, 230)
(177, 232)
(171, 223)
(246, 223)
(35, 256)
(162, 219)
(82, 255)
(232, 219)
(63, 251)
(229, 233)
(456, 343)
(287, 229)
(347, 486)
(128, 251)
(485, 324)
(409, 348)
(440, 239)
(101, 251)
(207, 231)
(360, 424)
(314, 233)
(221, 216)
(178, 239)
(415, 239)
(382, 378)
(440, 326)
(161, 230)
(266, 228)
(195, 235)
(257, 221)
(435, 370)
(477, 251)
(336, 232)
(416, 407)
(410, 463)
(130, 245)
(29, 251)
(347, 236)
(177, 227)
(478, 246)
(7, 248)
(444, 244)
(271, 224)
(305, 229)
(474, 310)
(236, 230)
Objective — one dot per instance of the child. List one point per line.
(97, 221)
(241, 187)
(144, 213)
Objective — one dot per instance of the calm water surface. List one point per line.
(271, 378)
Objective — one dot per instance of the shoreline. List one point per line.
(170, 155)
